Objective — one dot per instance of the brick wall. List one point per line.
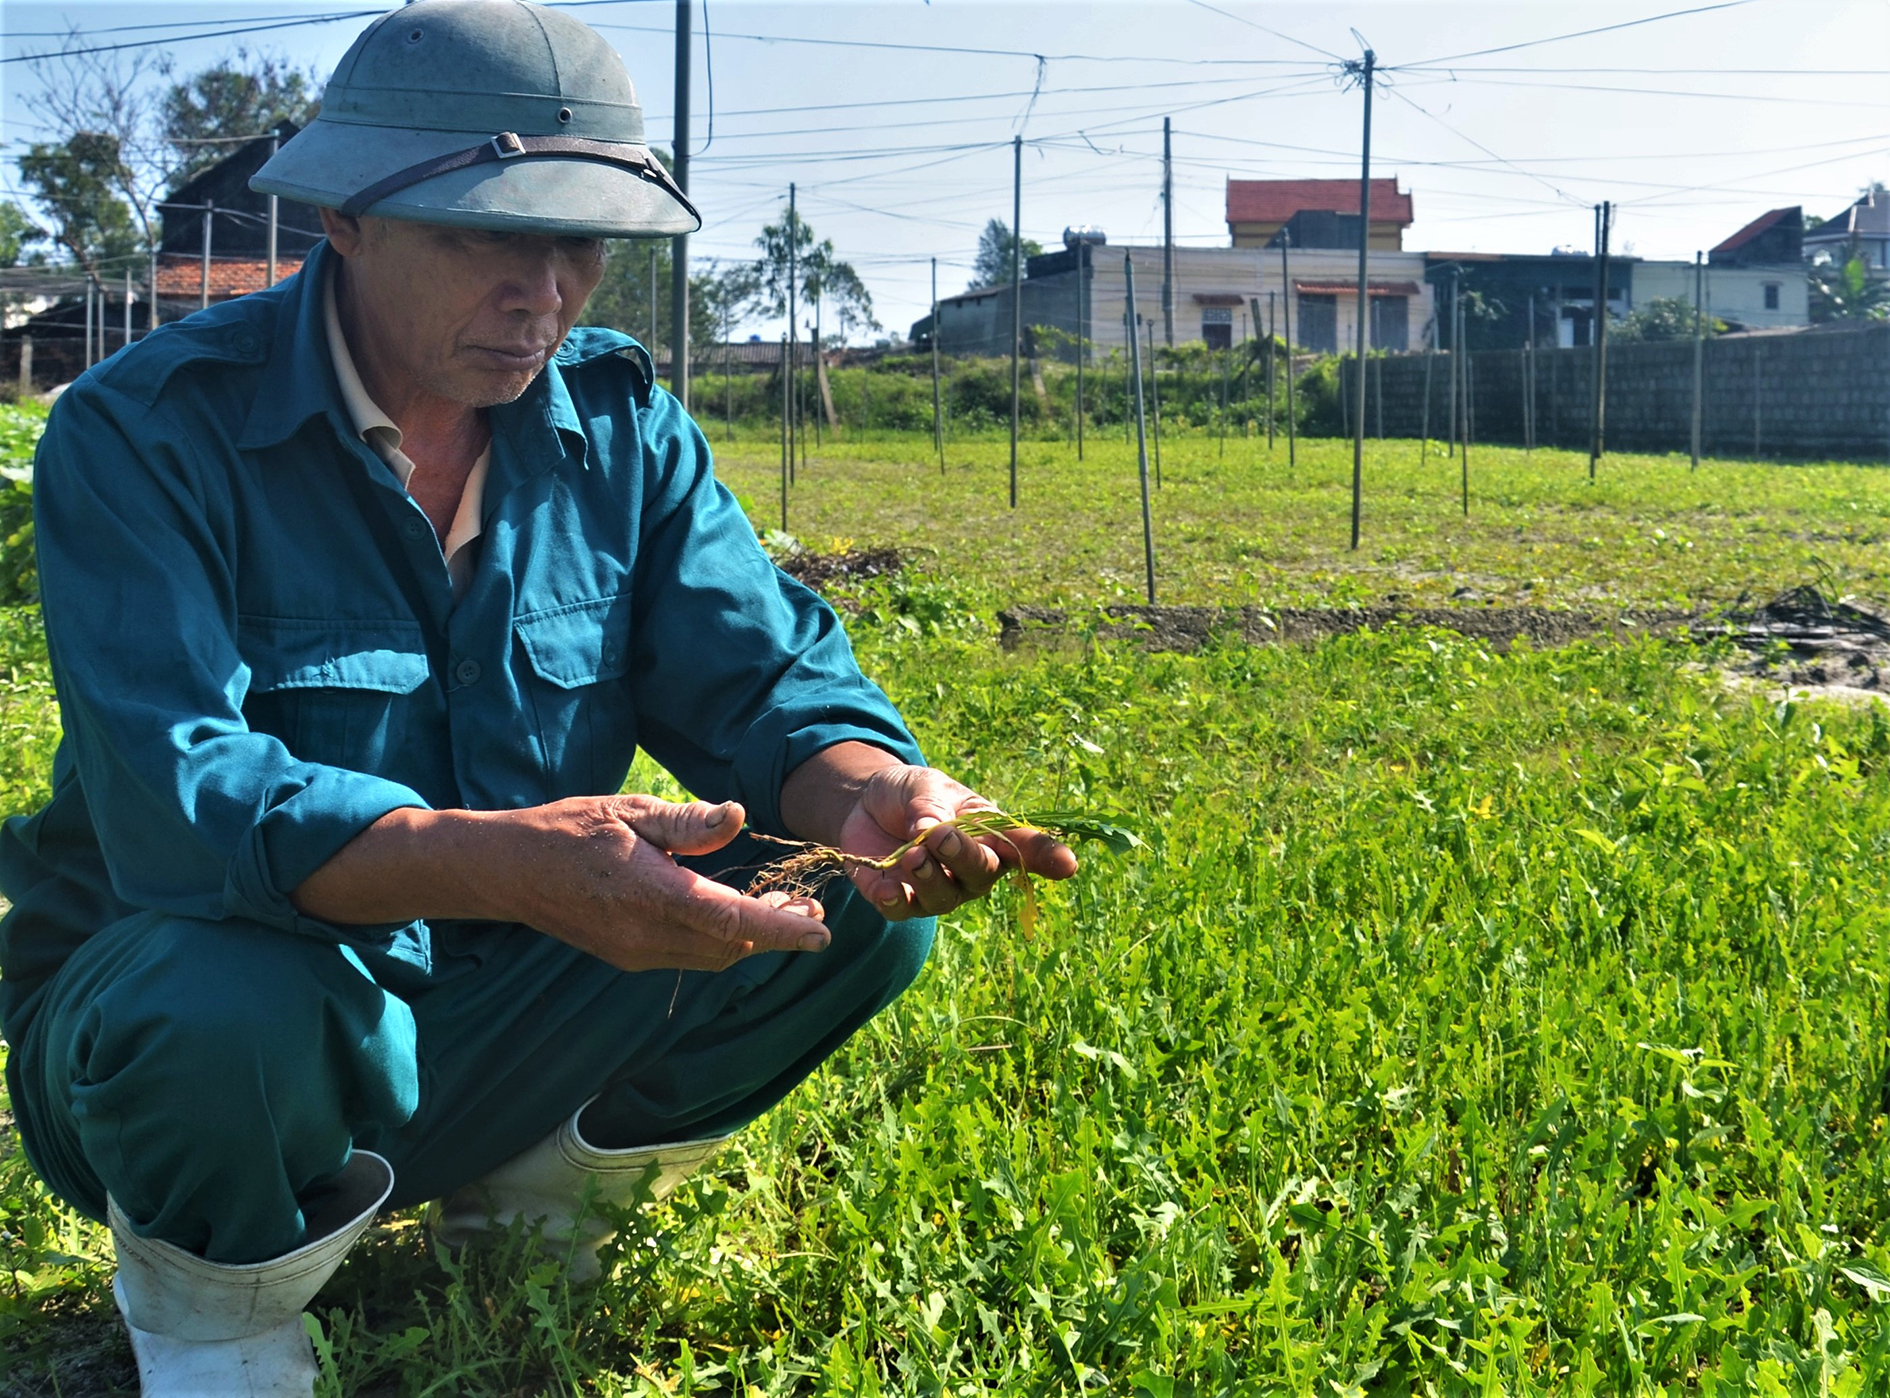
(1817, 394)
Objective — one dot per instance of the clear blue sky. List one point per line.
(1692, 124)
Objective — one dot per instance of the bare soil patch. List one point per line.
(822, 570)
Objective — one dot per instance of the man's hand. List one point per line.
(592, 871)
(866, 802)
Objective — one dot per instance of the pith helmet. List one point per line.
(483, 114)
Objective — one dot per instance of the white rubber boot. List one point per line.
(216, 1330)
(555, 1180)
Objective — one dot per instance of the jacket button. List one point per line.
(610, 655)
(414, 528)
(244, 340)
(467, 671)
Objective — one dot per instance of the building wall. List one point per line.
(1813, 394)
(1732, 293)
(980, 322)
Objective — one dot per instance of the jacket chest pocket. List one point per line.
(576, 657)
(335, 692)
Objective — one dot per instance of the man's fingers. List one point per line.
(718, 912)
(682, 827)
(1043, 854)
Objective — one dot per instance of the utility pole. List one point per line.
(653, 288)
(1364, 69)
(1168, 253)
(127, 305)
(793, 271)
(88, 320)
(209, 215)
(1141, 428)
(1082, 337)
(1700, 342)
(938, 419)
(151, 316)
(1286, 317)
(679, 245)
(1598, 424)
(1017, 295)
(269, 276)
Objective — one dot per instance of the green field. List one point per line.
(1480, 1024)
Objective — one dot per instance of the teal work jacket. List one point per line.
(257, 651)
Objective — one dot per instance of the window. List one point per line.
(1391, 322)
(1317, 326)
(1217, 327)
(1771, 296)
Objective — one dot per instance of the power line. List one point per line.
(183, 38)
(1255, 24)
(1580, 33)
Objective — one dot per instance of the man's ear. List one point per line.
(344, 232)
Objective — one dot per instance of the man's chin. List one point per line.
(490, 389)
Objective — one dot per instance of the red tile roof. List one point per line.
(181, 278)
(1753, 229)
(1275, 201)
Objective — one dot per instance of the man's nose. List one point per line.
(532, 286)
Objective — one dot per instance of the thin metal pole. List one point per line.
(653, 325)
(679, 245)
(127, 306)
(1424, 413)
(1017, 296)
(1168, 256)
(793, 262)
(1529, 381)
(938, 422)
(88, 322)
(1286, 316)
(1141, 431)
(1463, 444)
(787, 454)
(1699, 343)
(269, 275)
(1272, 348)
(1378, 392)
(728, 377)
(820, 375)
(1597, 437)
(1082, 337)
(1456, 368)
(1155, 394)
(1364, 296)
(209, 215)
(151, 316)
(1227, 357)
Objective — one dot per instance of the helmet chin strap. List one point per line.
(508, 145)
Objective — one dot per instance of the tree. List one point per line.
(17, 232)
(244, 96)
(1663, 318)
(761, 287)
(1846, 291)
(77, 182)
(994, 254)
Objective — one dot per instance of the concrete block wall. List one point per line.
(1820, 393)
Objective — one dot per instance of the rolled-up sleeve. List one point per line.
(195, 813)
(742, 674)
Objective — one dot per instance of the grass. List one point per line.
(1482, 1024)
(1248, 528)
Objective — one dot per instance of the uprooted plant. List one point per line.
(811, 866)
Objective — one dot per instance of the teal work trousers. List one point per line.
(213, 1076)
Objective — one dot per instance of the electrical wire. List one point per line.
(1579, 33)
(1255, 24)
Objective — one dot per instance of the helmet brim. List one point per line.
(327, 163)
